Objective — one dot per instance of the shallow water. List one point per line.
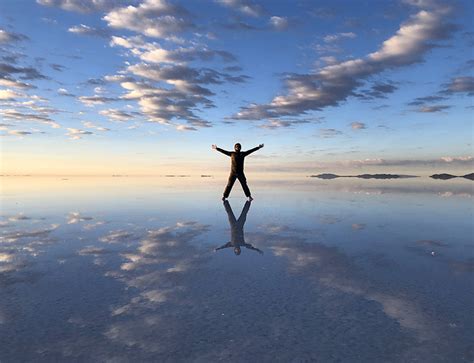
(122, 269)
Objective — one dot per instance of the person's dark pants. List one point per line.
(231, 181)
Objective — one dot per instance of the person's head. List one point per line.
(237, 147)
(237, 250)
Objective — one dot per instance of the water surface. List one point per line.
(126, 269)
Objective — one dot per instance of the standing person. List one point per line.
(237, 168)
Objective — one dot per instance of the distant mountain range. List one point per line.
(363, 176)
(443, 176)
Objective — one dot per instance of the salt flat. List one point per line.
(126, 269)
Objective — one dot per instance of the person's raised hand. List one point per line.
(214, 147)
(261, 145)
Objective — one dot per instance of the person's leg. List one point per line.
(243, 182)
(230, 184)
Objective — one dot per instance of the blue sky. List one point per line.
(146, 86)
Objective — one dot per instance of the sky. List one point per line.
(145, 87)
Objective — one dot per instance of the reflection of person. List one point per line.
(237, 230)
(237, 168)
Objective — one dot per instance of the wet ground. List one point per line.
(122, 269)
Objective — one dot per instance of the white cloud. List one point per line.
(19, 133)
(96, 100)
(64, 92)
(91, 125)
(461, 85)
(334, 83)
(411, 40)
(335, 37)
(274, 124)
(162, 105)
(6, 94)
(329, 60)
(154, 18)
(76, 134)
(154, 53)
(450, 159)
(84, 6)
(279, 23)
(116, 115)
(185, 128)
(160, 55)
(87, 30)
(245, 7)
(5, 82)
(432, 109)
(10, 37)
(129, 42)
(358, 125)
(40, 114)
(173, 90)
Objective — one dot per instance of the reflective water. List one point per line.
(122, 269)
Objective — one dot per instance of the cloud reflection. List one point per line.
(329, 267)
(148, 292)
(76, 217)
(17, 250)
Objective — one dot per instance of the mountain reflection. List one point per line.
(237, 239)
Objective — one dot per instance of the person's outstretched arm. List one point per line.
(250, 247)
(225, 152)
(248, 152)
(228, 244)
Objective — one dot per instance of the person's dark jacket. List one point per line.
(237, 159)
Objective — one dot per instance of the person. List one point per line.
(237, 239)
(237, 168)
